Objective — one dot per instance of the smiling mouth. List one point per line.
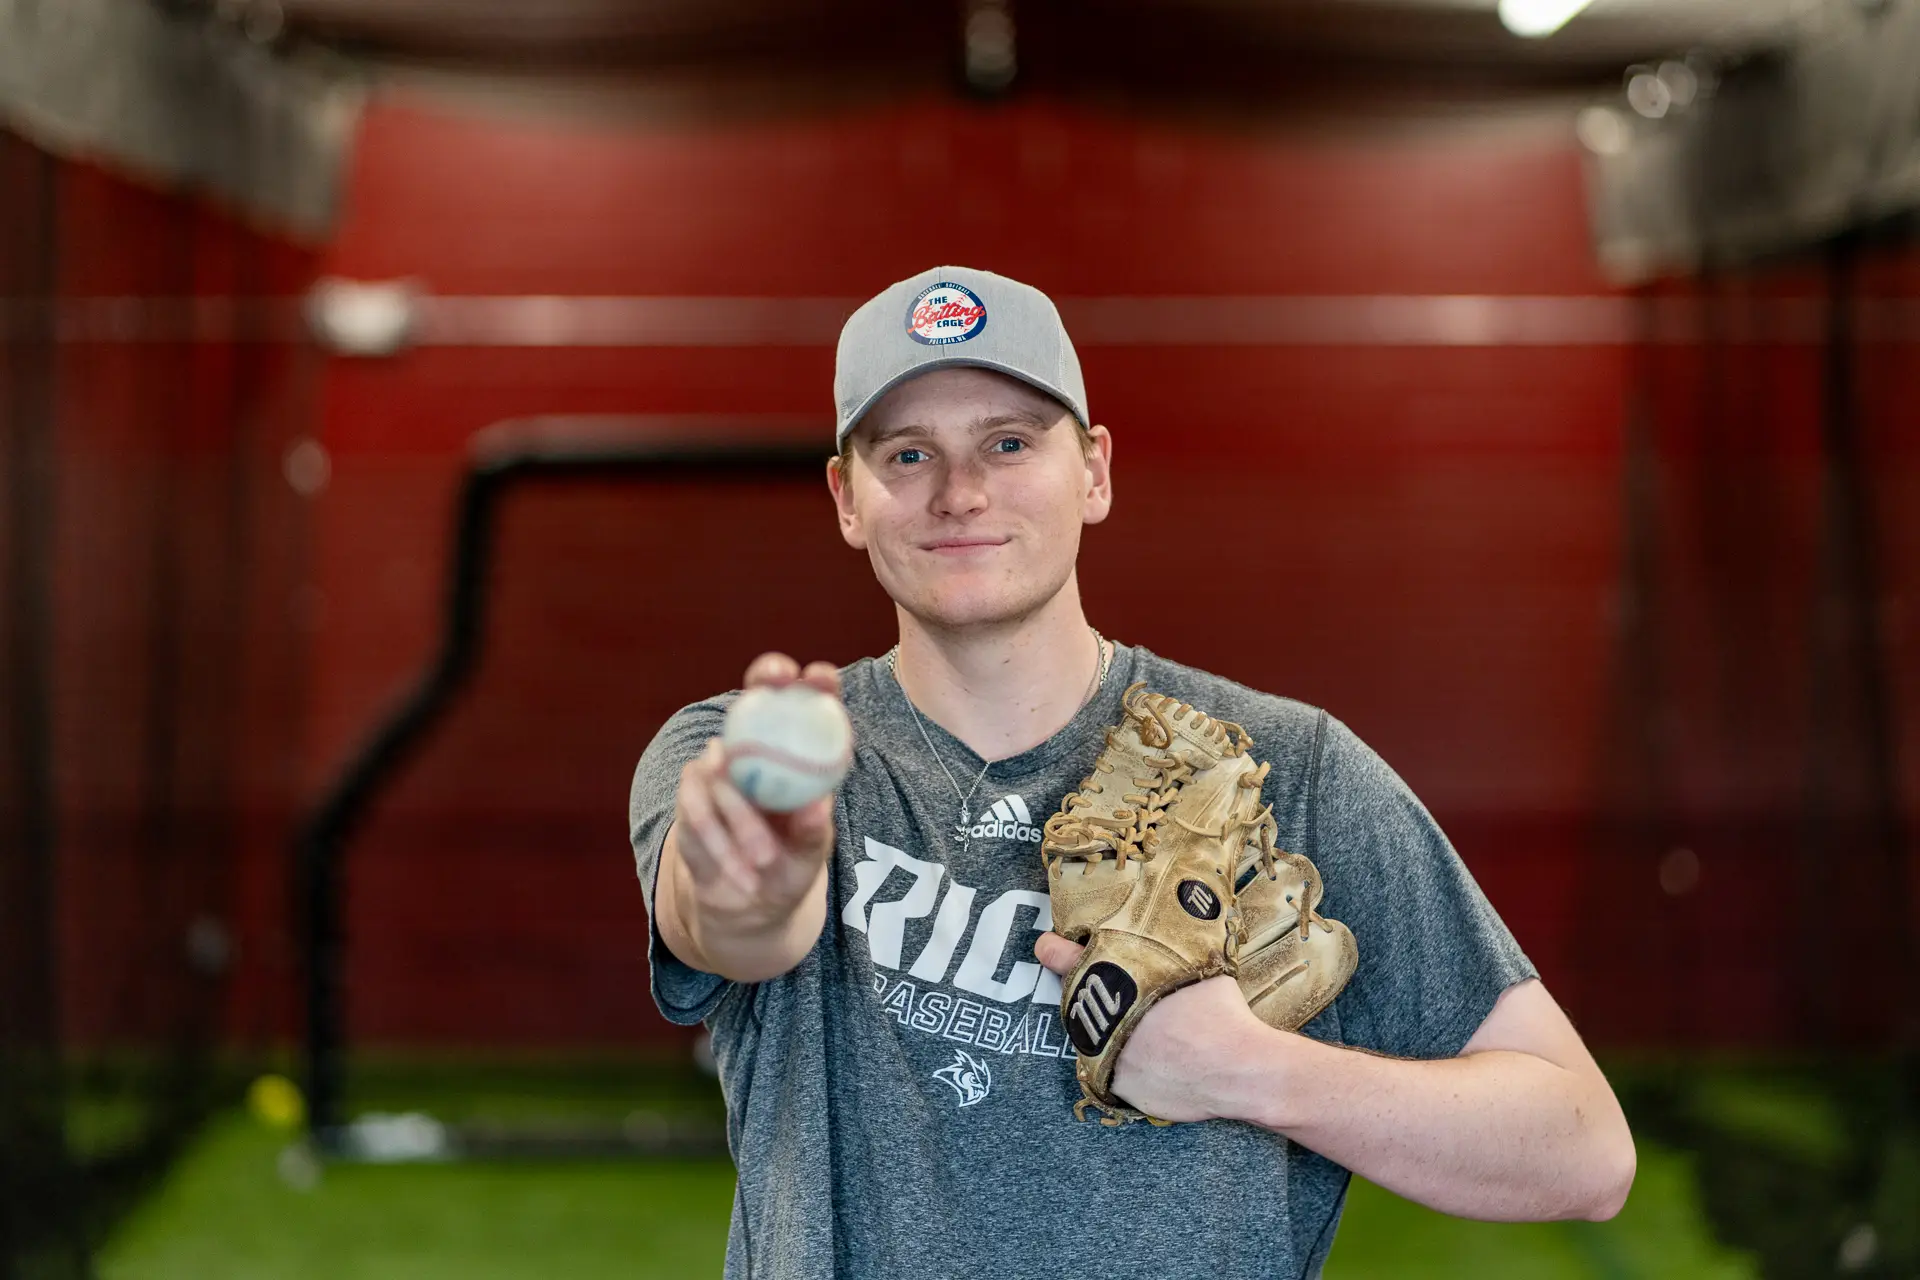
(965, 544)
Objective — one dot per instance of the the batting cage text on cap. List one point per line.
(946, 313)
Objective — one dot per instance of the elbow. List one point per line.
(1616, 1163)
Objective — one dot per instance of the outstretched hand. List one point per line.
(746, 864)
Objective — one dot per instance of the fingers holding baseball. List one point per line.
(779, 846)
(739, 855)
(759, 847)
(823, 676)
(774, 670)
(706, 843)
(808, 827)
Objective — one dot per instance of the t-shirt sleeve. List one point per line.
(1434, 955)
(685, 995)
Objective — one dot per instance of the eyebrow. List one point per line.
(1017, 417)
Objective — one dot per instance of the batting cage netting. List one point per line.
(150, 639)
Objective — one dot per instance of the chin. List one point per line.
(955, 609)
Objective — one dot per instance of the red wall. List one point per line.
(1423, 539)
(1427, 539)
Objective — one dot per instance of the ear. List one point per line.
(841, 487)
(1099, 499)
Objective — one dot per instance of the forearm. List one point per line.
(737, 945)
(1499, 1135)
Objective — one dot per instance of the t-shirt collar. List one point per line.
(892, 721)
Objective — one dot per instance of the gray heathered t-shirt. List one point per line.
(900, 1104)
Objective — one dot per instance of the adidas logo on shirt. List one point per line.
(1008, 819)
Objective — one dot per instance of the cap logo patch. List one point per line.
(945, 313)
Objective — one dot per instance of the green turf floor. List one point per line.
(1659, 1234)
(225, 1211)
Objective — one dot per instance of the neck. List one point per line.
(1004, 689)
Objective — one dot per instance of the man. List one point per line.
(899, 1088)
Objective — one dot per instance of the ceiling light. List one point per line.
(1536, 18)
(1648, 94)
(1683, 86)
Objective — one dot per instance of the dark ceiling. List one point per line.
(1241, 45)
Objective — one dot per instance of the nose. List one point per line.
(962, 490)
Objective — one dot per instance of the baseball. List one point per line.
(788, 746)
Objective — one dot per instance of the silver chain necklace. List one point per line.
(963, 828)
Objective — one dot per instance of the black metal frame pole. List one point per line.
(1849, 667)
(507, 456)
(42, 1206)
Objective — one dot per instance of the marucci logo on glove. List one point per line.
(1201, 902)
(1100, 1000)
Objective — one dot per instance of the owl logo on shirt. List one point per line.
(969, 1076)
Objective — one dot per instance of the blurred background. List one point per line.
(396, 395)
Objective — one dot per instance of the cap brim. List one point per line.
(957, 362)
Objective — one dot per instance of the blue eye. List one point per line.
(908, 457)
(1001, 446)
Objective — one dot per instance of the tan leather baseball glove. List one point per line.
(1164, 864)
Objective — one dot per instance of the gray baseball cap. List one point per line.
(948, 317)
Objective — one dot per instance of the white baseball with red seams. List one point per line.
(786, 747)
